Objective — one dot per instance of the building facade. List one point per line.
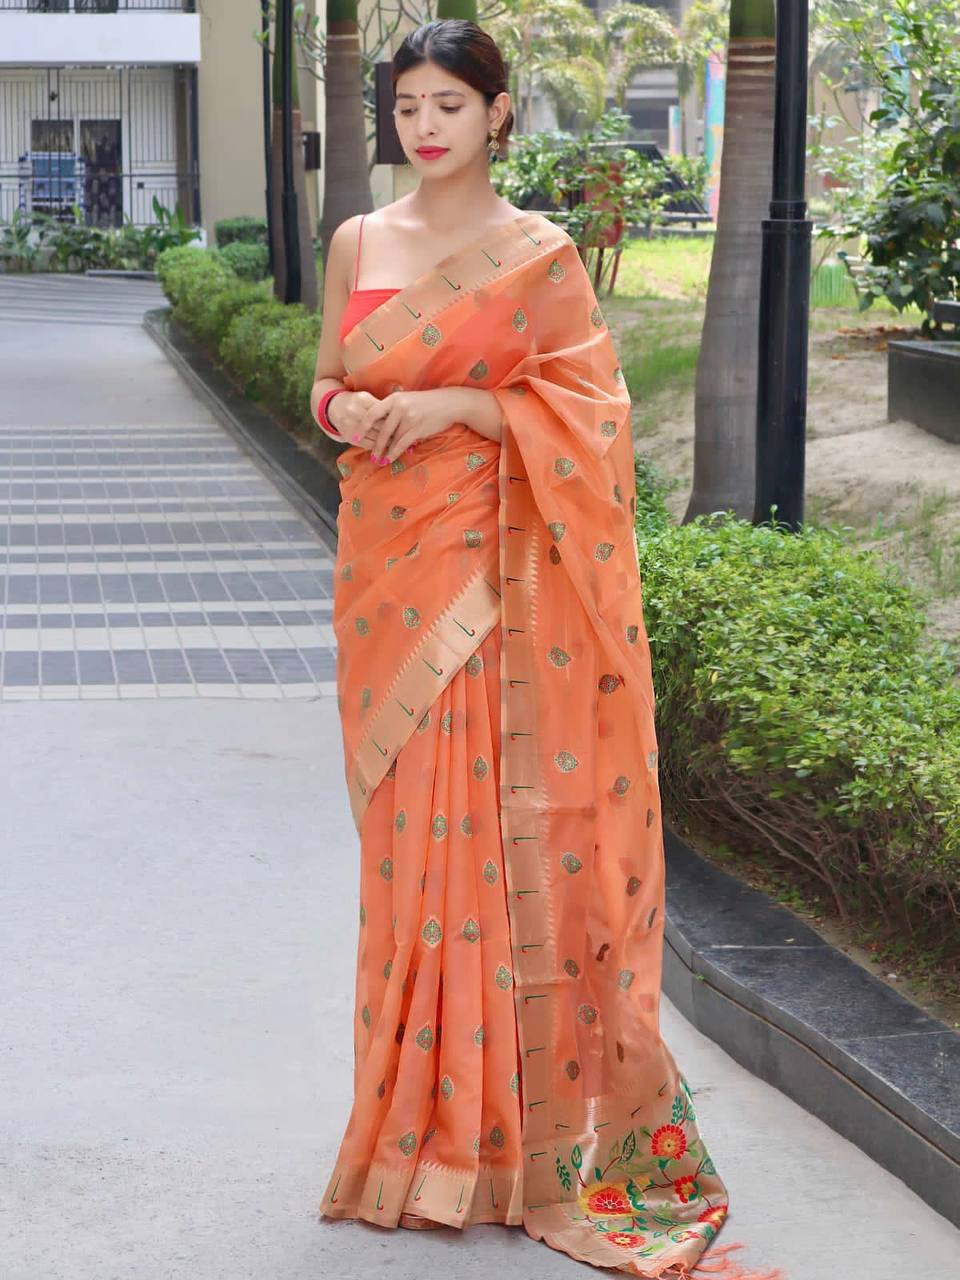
(108, 105)
(98, 108)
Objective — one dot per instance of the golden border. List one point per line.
(511, 245)
(379, 1193)
(459, 630)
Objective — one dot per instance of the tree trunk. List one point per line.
(346, 173)
(308, 266)
(724, 467)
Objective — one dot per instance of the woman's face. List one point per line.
(443, 123)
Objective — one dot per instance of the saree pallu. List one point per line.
(496, 698)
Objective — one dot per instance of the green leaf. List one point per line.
(576, 1157)
(629, 1145)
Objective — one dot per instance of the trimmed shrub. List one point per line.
(186, 273)
(204, 291)
(651, 515)
(298, 383)
(799, 711)
(249, 261)
(241, 347)
(266, 348)
(242, 230)
(210, 314)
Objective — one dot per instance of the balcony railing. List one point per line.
(98, 6)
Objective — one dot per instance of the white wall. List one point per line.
(52, 39)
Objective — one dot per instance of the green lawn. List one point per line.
(657, 309)
(678, 269)
(671, 269)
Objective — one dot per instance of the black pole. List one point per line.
(193, 90)
(785, 286)
(291, 237)
(267, 126)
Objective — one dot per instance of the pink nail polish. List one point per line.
(374, 458)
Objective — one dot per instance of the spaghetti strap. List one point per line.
(356, 273)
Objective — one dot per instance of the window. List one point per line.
(51, 135)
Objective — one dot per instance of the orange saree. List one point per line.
(497, 706)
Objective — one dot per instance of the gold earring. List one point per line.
(493, 145)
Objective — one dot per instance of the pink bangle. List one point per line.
(322, 418)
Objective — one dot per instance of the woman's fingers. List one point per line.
(385, 435)
(371, 416)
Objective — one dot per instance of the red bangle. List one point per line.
(322, 418)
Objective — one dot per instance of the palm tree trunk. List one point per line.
(308, 266)
(724, 466)
(346, 172)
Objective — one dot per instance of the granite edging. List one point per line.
(801, 1015)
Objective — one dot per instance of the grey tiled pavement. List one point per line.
(142, 555)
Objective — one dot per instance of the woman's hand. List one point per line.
(347, 413)
(404, 417)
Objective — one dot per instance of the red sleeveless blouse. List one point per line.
(361, 301)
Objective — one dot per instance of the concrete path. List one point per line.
(178, 896)
(146, 554)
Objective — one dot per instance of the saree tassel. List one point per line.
(718, 1262)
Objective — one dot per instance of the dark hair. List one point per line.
(466, 51)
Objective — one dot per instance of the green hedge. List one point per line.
(186, 272)
(249, 261)
(269, 349)
(205, 292)
(801, 712)
(240, 230)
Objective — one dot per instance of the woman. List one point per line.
(495, 692)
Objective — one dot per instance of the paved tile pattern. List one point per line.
(151, 560)
(74, 299)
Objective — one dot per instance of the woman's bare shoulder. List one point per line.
(343, 242)
(545, 223)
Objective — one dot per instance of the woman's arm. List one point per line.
(477, 409)
(329, 371)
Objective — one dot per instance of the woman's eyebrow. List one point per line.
(441, 93)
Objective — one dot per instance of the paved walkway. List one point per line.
(146, 555)
(178, 889)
